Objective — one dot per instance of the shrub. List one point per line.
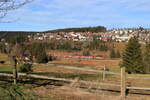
(112, 54)
(2, 62)
(51, 58)
(86, 53)
(25, 68)
(42, 59)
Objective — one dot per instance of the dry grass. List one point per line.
(44, 68)
(88, 62)
(71, 93)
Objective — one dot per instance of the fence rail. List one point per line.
(59, 79)
(135, 77)
(138, 88)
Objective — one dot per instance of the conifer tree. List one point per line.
(132, 58)
(147, 57)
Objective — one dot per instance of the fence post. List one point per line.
(15, 74)
(123, 83)
(104, 73)
(75, 81)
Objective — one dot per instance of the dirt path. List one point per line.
(86, 68)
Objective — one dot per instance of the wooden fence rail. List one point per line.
(138, 88)
(59, 79)
(135, 77)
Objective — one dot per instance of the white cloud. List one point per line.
(68, 13)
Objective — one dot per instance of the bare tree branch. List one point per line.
(8, 5)
(12, 4)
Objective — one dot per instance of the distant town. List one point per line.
(115, 35)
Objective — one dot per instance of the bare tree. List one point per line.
(5, 6)
(8, 5)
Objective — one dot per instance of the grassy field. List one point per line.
(72, 74)
(6, 68)
(58, 93)
(30, 93)
(3, 57)
(65, 73)
(93, 63)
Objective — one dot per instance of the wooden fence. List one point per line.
(122, 85)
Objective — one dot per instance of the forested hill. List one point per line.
(4, 34)
(83, 29)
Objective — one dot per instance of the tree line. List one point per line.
(83, 29)
(9, 34)
(76, 45)
(21, 41)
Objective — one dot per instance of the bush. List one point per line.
(112, 54)
(42, 59)
(51, 58)
(25, 68)
(86, 53)
(2, 62)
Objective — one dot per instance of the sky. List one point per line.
(42, 15)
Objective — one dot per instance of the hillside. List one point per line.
(6, 34)
(82, 29)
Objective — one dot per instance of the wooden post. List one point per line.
(123, 83)
(104, 73)
(74, 83)
(15, 74)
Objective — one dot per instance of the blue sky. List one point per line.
(42, 15)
